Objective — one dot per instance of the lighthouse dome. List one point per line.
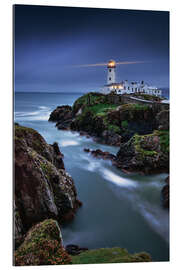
(111, 64)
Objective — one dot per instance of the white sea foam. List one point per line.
(93, 164)
(65, 143)
(156, 217)
(42, 114)
(116, 179)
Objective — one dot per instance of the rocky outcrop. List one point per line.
(42, 246)
(63, 117)
(148, 153)
(61, 113)
(43, 189)
(100, 154)
(162, 119)
(108, 120)
(165, 194)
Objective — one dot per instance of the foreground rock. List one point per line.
(165, 194)
(43, 189)
(148, 153)
(42, 246)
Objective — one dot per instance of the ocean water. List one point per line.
(118, 209)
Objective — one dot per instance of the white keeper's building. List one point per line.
(126, 87)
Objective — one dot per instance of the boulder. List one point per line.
(43, 189)
(61, 114)
(42, 246)
(148, 153)
(110, 137)
(100, 154)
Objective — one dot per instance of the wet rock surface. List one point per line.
(74, 249)
(100, 154)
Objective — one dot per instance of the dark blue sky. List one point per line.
(50, 41)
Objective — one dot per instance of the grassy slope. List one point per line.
(100, 105)
(109, 255)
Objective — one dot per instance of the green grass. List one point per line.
(134, 107)
(142, 152)
(164, 139)
(109, 255)
(124, 124)
(114, 128)
(102, 109)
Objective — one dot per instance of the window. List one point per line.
(109, 70)
(128, 88)
(110, 78)
(124, 87)
(132, 90)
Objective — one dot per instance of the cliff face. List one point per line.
(43, 189)
(107, 119)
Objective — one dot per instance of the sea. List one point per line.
(119, 210)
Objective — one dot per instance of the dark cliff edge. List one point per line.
(107, 118)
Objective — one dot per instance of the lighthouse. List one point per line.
(111, 76)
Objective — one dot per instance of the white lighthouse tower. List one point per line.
(111, 76)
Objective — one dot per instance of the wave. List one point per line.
(156, 217)
(116, 179)
(41, 114)
(68, 143)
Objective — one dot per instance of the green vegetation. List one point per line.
(124, 124)
(42, 246)
(109, 255)
(31, 136)
(89, 99)
(47, 169)
(164, 139)
(21, 131)
(101, 109)
(138, 139)
(134, 107)
(141, 143)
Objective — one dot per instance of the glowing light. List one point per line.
(111, 64)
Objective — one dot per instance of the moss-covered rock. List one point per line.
(147, 153)
(42, 246)
(109, 255)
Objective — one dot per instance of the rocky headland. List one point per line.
(141, 130)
